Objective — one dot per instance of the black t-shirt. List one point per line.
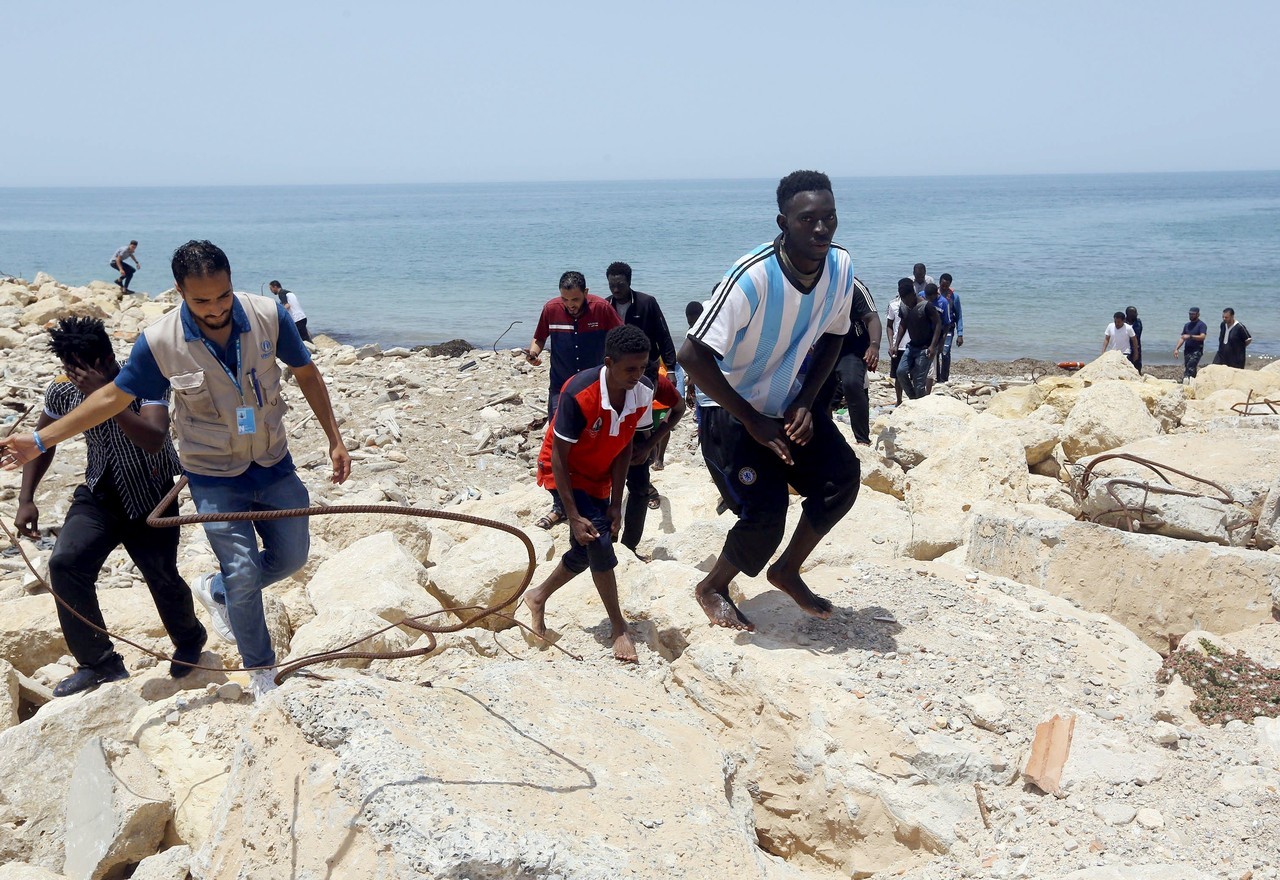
(857, 340)
(920, 320)
(1194, 328)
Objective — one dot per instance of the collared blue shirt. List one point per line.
(141, 377)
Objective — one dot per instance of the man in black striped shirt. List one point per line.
(131, 466)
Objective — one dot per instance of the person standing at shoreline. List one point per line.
(575, 323)
(919, 279)
(891, 322)
(760, 431)
(1119, 336)
(131, 466)
(118, 262)
(289, 300)
(921, 323)
(1233, 339)
(953, 332)
(1131, 318)
(859, 352)
(218, 352)
(1193, 334)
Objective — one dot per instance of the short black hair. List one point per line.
(1229, 311)
(921, 266)
(134, 242)
(274, 283)
(624, 340)
(799, 182)
(1131, 310)
(82, 341)
(1119, 315)
(619, 268)
(572, 280)
(693, 311)
(1195, 309)
(931, 289)
(905, 286)
(945, 276)
(203, 259)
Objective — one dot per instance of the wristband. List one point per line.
(35, 435)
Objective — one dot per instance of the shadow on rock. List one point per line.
(781, 625)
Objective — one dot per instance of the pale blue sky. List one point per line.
(164, 93)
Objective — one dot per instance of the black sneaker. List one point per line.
(187, 654)
(86, 678)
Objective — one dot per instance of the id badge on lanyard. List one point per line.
(246, 418)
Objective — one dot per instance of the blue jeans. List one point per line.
(245, 569)
(913, 370)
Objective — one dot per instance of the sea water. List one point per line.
(1040, 262)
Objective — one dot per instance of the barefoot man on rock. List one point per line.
(761, 432)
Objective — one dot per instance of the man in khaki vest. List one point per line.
(219, 353)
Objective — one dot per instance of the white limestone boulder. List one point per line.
(1017, 402)
(1264, 384)
(375, 574)
(173, 863)
(485, 570)
(8, 695)
(117, 809)
(1110, 366)
(334, 629)
(918, 428)
(1106, 415)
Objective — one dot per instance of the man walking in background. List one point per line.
(289, 300)
(760, 430)
(575, 323)
(1131, 318)
(1193, 334)
(919, 279)
(641, 310)
(1233, 339)
(954, 331)
(118, 262)
(859, 353)
(1119, 336)
(892, 320)
(131, 467)
(920, 322)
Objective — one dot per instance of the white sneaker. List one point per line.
(262, 682)
(202, 589)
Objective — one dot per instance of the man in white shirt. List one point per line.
(289, 300)
(919, 279)
(1120, 337)
(118, 263)
(895, 351)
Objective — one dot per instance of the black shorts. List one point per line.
(754, 481)
(894, 360)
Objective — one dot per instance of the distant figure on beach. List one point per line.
(576, 324)
(919, 279)
(289, 300)
(584, 459)
(954, 330)
(1131, 318)
(220, 352)
(118, 262)
(934, 295)
(1193, 334)
(1233, 339)
(760, 429)
(1119, 336)
(859, 353)
(891, 324)
(643, 311)
(921, 324)
(131, 466)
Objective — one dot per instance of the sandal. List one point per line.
(550, 519)
(655, 500)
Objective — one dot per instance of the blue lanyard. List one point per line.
(230, 375)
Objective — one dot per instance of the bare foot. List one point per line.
(624, 649)
(791, 584)
(537, 608)
(721, 611)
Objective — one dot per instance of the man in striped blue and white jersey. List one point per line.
(760, 432)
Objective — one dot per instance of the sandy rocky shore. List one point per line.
(977, 599)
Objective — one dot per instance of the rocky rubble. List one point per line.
(974, 598)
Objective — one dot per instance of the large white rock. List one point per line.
(1111, 365)
(342, 530)
(1017, 402)
(1106, 415)
(1265, 384)
(918, 428)
(484, 571)
(1152, 584)
(515, 770)
(172, 864)
(117, 809)
(331, 630)
(20, 871)
(11, 338)
(376, 575)
(8, 695)
(45, 748)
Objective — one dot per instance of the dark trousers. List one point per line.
(753, 480)
(852, 370)
(944, 357)
(124, 269)
(637, 506)
(598, 555)
(302, 330)
(1191, 362)
(96, 524)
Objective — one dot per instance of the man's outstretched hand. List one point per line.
(17, 450)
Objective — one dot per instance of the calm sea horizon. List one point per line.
(1040, 262)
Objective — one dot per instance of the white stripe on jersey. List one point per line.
(763, 327)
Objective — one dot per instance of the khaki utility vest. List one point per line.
(205, 399)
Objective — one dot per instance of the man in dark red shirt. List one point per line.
(576, 323)
(584, 461)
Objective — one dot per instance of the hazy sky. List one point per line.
(164, 93)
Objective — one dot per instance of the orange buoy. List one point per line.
(1070, 365)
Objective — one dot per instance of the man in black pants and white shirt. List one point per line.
(131, 466)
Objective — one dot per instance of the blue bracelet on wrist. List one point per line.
(35, 435)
